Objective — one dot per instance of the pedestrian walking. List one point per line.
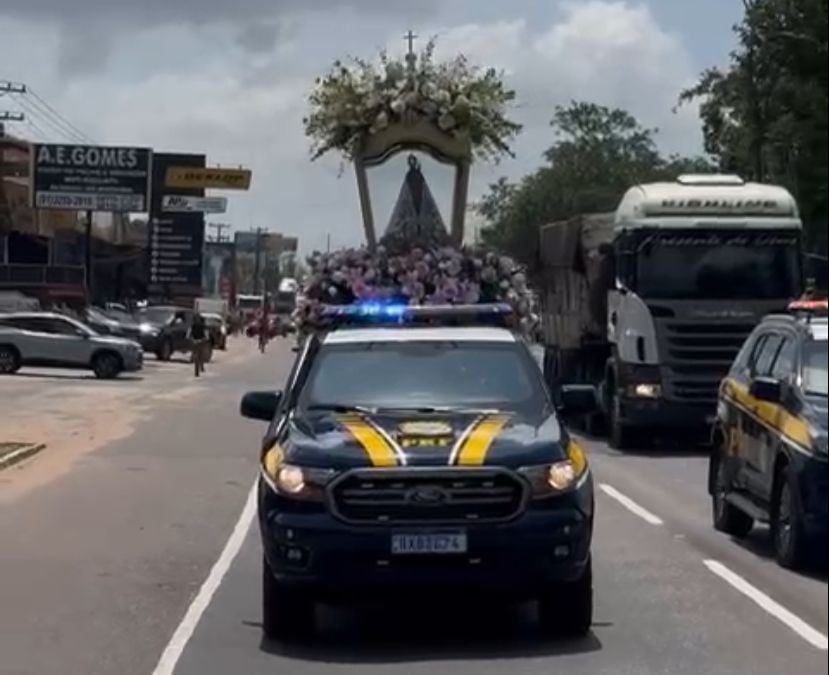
(198, 341)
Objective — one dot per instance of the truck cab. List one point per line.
(675, 281)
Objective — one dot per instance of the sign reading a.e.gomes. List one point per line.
(90, 177)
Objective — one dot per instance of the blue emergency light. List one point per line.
(378, 313)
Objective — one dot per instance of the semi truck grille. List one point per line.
(428, 496)
(699, 356)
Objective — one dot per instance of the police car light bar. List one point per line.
(380, 313)
(815, 306)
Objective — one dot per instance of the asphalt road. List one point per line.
(136, 560)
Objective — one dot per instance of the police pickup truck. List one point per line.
(418, 449)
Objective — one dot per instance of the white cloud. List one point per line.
(237, 92)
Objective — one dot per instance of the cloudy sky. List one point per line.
(230, 79)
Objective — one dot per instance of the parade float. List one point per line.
(453, 112)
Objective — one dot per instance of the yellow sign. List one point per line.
(219, 179)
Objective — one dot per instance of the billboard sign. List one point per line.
(203, 178)
(90, 177)
(176, 247)
(189, 204)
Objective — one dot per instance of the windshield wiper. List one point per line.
(342, 408)
(444, 410)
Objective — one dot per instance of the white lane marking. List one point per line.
(172, 653)
(630, 505)
(804, 630)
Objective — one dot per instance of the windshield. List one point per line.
(815, 368)
(425, 374)
(156, 315)
(250, 303)
(718, 265)
(98, 316)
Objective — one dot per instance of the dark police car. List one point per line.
(771, 459)
(421, 455)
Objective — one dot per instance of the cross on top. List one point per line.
(410, 37)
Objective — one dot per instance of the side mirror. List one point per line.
(260, 405)
(577, 399)
(766, 389)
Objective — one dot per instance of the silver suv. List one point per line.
(54, 340)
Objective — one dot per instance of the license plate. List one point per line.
(442, 543)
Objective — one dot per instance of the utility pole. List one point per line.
(260, 232)
(220, 228)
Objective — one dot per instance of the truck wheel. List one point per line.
(106, 365)
(621, 435)
(727, 517)
(165, 351)
(9, 360)
(286, 613)
(566, 609)
(791, 545)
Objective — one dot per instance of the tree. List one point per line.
(765, 117)
(599, 153)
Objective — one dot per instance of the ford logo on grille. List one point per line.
(427, 495)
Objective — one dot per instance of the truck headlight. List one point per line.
(554, 479)
(645, 390)
(292, 481)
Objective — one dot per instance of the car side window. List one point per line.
(784, 365)
(745, 358)
(766, 355)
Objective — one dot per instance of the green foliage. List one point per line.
(599, 153)
(765, 116)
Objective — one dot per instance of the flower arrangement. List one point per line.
(420, 277)
(361, 97)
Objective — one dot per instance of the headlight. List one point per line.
(645, 390)
(295, 482)
(555, 479)
(148, 329)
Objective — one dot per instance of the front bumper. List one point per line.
(332, 560)
(661, 413)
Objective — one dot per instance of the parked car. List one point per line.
(217, 327)
(770, 459)
(165, 331)
(108, 323)
(54, 340)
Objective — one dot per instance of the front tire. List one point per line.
(106, 366)
(727, 518)
(566, 609)
(287, 614)
(621, 435)
(9, 360)
(165, 351)
(791, 544)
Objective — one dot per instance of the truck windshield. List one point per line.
(425, 374)
(815, 378)
(718, 265)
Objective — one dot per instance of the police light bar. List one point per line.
(810, 306)
(391, 314)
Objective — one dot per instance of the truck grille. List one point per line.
(699, 356)
(428, 496)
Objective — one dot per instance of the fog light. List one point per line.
(561, 551)
(647, 390)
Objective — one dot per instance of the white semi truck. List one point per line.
(652, 302)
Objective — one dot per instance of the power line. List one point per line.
(61, 131)
(52, 120)
(80, 133)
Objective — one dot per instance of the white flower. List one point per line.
(446, 122)
(382, 121)
(443, 97)
(398, 106)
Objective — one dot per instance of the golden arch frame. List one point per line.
(415, 135)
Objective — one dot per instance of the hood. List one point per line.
(115, 341)
(352, 440)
